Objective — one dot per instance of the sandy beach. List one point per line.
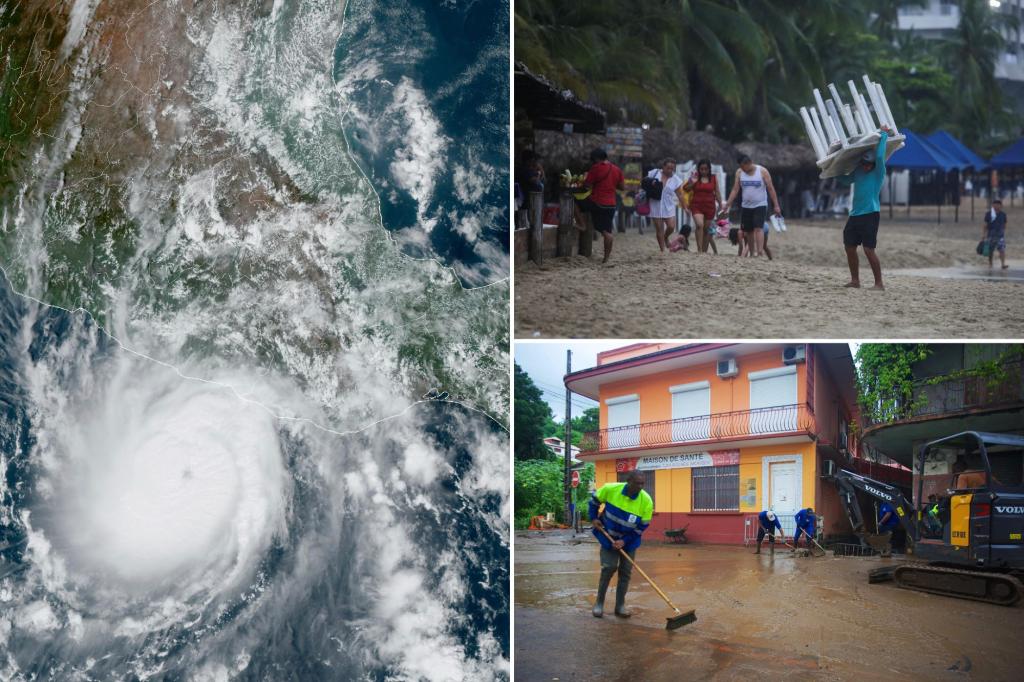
(936, 287)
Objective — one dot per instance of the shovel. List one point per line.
(824, 552)
(673, 622)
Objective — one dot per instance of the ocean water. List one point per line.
(427, 84)
(221, 451)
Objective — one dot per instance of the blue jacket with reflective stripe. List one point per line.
(805, 519)
(625, 518)
(762, 518)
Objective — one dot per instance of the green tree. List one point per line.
(588, 421)
(885, 379)
(539, 490)
(746, 66)
(530, 414)
(970, 55)
(581, 425)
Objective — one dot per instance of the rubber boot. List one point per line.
(602, 589)
(620, 599)
(758, 548)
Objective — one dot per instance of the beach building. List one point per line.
(723, 431)
(941, 18)
(557, 446)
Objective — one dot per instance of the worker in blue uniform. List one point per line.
(887, 523)
(767, 524)
(806, 524)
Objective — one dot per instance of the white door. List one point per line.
(692, 404)
(784, 493)
(623, 421)
(773, 400)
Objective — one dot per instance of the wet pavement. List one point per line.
(757, 616)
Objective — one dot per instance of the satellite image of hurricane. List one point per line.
(254, 333)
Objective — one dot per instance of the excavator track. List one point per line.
(993, 588)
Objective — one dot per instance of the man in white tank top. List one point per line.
(756, 184)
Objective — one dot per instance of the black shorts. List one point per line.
(762, 531)
(753, 218)
(602, 217)
(862, 229)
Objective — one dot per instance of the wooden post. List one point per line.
(537, 227)
(567, 447)
(566, 230)
(956, 209)
(586, 247)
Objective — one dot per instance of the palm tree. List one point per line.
(746, 66)
(642, 59)
(970, 55)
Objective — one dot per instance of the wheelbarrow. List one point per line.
(678, 535)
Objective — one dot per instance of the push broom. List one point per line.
(672, 622)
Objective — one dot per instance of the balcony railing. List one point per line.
(954, 394)
(764, 421)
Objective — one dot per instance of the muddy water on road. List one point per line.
(781, 616)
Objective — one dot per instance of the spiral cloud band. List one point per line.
(156, 479)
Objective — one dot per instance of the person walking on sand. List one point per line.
(603, 178)
(623, 511)
(756, 184)
(665, 194)
(995, 232)
(705, 203)
(862, 226)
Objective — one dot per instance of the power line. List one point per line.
(561, 396)
(561, 393)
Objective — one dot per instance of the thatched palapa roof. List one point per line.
(549, 108)
(689, 146)
(779, 157)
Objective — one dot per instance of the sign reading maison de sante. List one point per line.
(718, 458)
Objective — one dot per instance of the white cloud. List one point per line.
(36, 617)
(420, 159)
(421, 463)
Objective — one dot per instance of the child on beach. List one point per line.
(995, 232)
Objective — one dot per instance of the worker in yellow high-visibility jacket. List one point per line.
(626, 514)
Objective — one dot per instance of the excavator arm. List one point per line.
(848, 482)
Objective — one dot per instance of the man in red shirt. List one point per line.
(603, 178)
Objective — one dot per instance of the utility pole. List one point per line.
(567, 447)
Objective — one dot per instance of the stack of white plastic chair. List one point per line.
(840, 133)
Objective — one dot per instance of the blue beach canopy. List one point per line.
(920, 154)
(957, 149)
(1011, 157)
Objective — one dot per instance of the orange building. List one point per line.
(723, 431)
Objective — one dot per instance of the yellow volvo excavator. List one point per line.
(966, 541)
